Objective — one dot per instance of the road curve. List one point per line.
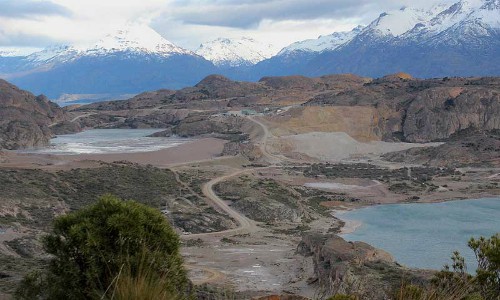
(245, 225)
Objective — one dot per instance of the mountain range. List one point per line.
(461, 39)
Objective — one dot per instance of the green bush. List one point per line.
(488, 272)
(92, 246)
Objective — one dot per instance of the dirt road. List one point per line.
(245, 225)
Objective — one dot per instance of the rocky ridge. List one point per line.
(415, 110)
(25, 119)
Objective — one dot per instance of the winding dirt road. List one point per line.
(245, 225)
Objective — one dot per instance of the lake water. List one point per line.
(100, 141)
(425, 235)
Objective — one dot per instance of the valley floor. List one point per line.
(260, 208)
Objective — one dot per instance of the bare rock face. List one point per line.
(416, 110)
(354, 268)
(440, 112)
(25, 119)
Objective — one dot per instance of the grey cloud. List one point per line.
(24, 40)
(246, 13)
(29, 8)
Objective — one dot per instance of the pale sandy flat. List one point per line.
(336, 146)
(196, 150)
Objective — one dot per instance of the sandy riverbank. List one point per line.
(196, 150)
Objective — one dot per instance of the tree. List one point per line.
(486, 283)
(94, 246)
(488, 272)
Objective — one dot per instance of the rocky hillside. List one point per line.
(465, 148)
(25, 119)
(354, 268)
(392, 108)
(415, 110)
(268, 91)
(31, 199)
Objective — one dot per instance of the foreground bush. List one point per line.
(100, 250)
(455, 283)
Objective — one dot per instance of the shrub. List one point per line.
(455, 283)
(92, 246)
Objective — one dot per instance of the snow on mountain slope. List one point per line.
(235, 52)
(396, 23)
(322, 43)
(461, 21)
(489, 13)
(133, 38)
(136, 39)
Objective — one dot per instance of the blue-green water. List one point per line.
(99, 141)
(425, 235)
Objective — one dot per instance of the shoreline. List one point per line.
(191, 151)
(350, 226)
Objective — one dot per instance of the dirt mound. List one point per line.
(335, 146)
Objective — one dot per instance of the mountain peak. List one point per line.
(134, 38)
(242, 51)
(398, 22)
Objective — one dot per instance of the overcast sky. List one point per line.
(187, 23)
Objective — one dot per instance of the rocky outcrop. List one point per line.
(25, 120)
(415, 110)
(468, 148)
(438, 113)
(392, 108)
(354, 268)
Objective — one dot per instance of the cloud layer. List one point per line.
(247, 14)
(186, 22)
(30, 9)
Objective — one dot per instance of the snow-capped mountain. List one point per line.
(396, 23)
(462, 39)
(244, 51)
(130, 60)
(459, 39)
(322, 43)
(463, 22)
(133, 39)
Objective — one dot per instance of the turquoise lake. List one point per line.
(101, 141)
(425, 235)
